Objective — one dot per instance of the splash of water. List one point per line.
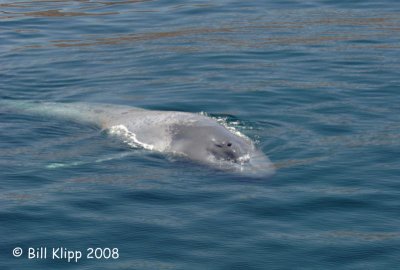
(128, 137)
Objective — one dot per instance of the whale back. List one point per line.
(92, 113)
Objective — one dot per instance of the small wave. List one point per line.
(128, 137)
(231, 126)
(58, 165)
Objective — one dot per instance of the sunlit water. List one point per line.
(314, 83)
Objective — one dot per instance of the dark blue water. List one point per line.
(315, 83)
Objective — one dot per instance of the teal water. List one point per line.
(314, 83)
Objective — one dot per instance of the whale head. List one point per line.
(217, 146)
(210, 142)
(224, 145)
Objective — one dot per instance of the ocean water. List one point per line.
(316, 84)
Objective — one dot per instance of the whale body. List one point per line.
(196, 137)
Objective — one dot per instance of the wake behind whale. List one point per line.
(192, 136)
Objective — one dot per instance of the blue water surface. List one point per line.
(314, 83)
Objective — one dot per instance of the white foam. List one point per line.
(79, 163)
(244, 159)
(229, 126)
(129, 137)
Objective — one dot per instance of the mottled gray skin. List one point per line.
(209, 143)
(194, 136)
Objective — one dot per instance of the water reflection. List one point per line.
(55, 8)
(335, 236)
(59, 13)
(307, 27)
